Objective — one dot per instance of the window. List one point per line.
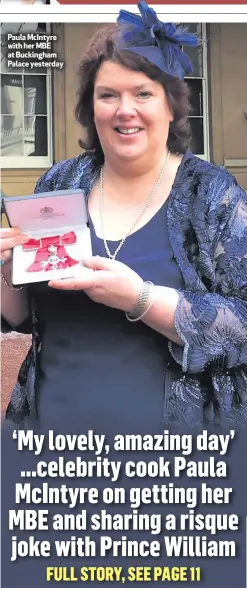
(199, 93)
(25, 110)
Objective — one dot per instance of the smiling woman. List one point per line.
(128, 116)
(154, 331)
(161, 98)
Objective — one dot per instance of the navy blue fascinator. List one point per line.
(160, 43)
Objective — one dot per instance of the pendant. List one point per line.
(53, 259)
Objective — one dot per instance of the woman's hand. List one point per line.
(9, 238)
(14, 303)
(106, 281)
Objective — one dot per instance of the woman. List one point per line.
(169, 241)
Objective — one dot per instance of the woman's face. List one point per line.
(131, 113)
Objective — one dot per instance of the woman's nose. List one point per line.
(126, 107)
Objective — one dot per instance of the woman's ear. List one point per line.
(169, 109)
(171, 115)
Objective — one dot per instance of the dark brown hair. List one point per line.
(102, 48)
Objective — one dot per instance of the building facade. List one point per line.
(37, 108)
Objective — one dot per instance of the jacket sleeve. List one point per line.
(23, 328)
(26, 326)
(213, 326)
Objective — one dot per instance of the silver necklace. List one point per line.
(101, 192)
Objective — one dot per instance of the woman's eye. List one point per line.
(106, 95)
(145, 94)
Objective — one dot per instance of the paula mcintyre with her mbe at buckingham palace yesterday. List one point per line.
(154, 330)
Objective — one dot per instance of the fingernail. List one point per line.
(25, 237)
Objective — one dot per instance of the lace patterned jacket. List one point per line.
(206, 380)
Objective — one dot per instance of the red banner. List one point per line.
(157, 2)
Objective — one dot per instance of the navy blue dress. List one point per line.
(96, 369)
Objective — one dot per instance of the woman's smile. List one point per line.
(128, 132)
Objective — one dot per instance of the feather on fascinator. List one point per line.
(160, 43)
